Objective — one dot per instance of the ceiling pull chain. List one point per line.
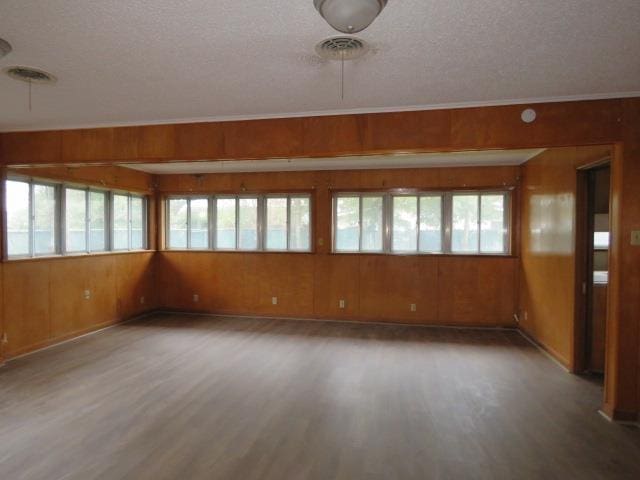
(29, 95)
(342, 75)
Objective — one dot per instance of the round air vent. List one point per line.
(5, 48)
(342, 48)
(28, 74)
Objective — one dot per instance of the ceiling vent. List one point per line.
(31, 75)
(5, 48)
(342, 48)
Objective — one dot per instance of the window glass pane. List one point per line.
(431, 224)
(120, 222)
(226, 223)
(276, 224)
(75, 214)
(372, 224)
(347, 224)
(248, 223)
(199, 231)
(405, 224)
(177, 223)
(299, 224)
(17, 206)
(492, 224)
(44, 211)
(97, 221)
(137, 223)
(464, 234)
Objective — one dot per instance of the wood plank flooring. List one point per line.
(188, 397)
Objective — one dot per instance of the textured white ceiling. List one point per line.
(148, 61)
(421, 160)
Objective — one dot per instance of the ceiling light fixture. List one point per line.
(349, 16)
(5, 48)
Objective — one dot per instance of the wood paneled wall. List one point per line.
(42, 299)
(447, 290)
(548, 246)
(557, 124)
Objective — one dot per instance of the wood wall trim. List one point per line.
(500, 127)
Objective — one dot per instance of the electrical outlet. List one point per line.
(274, 300)
(196, 298)
(141, 300)
(635, 238)
(412, 307)
(526, 315)
(342, 303)
(4, 338)
(320, 241)
(86, 294)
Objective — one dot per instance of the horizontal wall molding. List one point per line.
(418, 131)
(332, 112)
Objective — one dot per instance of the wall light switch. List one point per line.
(196, 298)
(342, 303)
(86, 294)
(274, 300)
(413, 307)
(141, 300)
(635, 238)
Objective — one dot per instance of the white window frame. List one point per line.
(60, 218)
(261, 226)
(445, 221)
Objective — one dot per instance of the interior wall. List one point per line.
(548, 246)
(43, 299)
(447, 289)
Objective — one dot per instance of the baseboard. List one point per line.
(54, 342)
(622, 417)
(547, 352)
(171, 311)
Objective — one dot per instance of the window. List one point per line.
(240, 222)
(476, 223)
(120, 222)
(226, 223)
(53, 218)
(44, 206)
(75, 205)
(358, 223)
(178, 222)
(137, 222)
(98, 221)
(248, 224)
(18, 203)
(31, 218)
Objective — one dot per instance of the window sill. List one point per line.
(427, 254)
(186, 250)
(73, 255)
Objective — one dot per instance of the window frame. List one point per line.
(261, 219)
(60, 220)
(446, 220)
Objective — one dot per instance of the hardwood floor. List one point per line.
(187, 397)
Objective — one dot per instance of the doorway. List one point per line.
(593, 269)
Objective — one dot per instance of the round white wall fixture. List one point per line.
(528, 115)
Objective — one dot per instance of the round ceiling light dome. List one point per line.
(5, 48)
(29, 74)
(349, 16)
